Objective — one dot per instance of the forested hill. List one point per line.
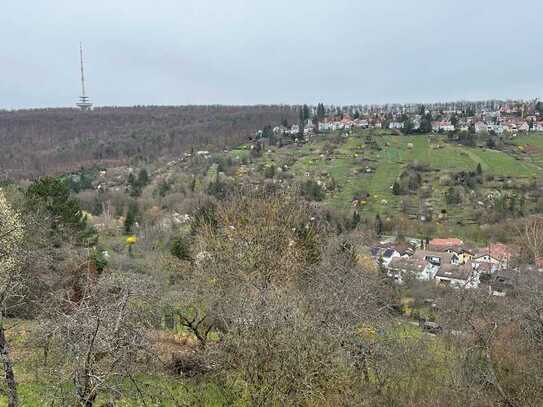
(48, 141)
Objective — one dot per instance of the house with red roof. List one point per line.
(496, 253)
(442, 244)
(453, 246)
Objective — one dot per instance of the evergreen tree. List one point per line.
(143, 178)
(131, 180)
(479, 169)
(306, 113)
(53, 195)
(396, 190)
(378, 225)
(320, 112)
(301, 122)
(454, 120)
(181, 248)
(193, 184)
(301, 116)
(426, 123)
(131, 218)
(356, 220)
(97, 207)
(267, 132)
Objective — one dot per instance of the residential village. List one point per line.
(451, 263)
(492, 117)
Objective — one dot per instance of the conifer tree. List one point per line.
(131, 217)
(378, 225)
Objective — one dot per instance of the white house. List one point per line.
(497, 254)
(424, 266)
(388, 255)
(325, 126)
(363, 123)
(400, 269)
(279, 130)
(445, 126)
(457, 276)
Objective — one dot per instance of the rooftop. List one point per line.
(446, 242)
(455, 272)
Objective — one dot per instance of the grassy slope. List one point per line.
(534, 142)
(393, 157)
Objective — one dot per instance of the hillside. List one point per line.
(429, 169)
(52, 141)
(212, 277)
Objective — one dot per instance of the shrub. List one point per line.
(181, 248)
(312, 191)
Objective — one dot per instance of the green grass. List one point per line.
(535, 144)
(396, 152)
(499, 163)
(452, 157)
(534, 139)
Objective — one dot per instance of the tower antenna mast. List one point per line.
(84, 101)
(82, 70)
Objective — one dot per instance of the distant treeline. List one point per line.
(51, 141)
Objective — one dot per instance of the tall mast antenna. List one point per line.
(82, 70)
(84, 102)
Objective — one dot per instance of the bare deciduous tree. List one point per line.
(530, 233)
(102, 338)
(287, 311)
(11, 283)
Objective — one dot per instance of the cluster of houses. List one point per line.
(499, 121)
(511, 125)
(327, 125)
(449, 263)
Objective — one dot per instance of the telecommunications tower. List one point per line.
(84, 102)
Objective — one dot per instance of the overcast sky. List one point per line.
(269, 51)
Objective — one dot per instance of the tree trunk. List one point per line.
(8, 368)
(85, 392)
